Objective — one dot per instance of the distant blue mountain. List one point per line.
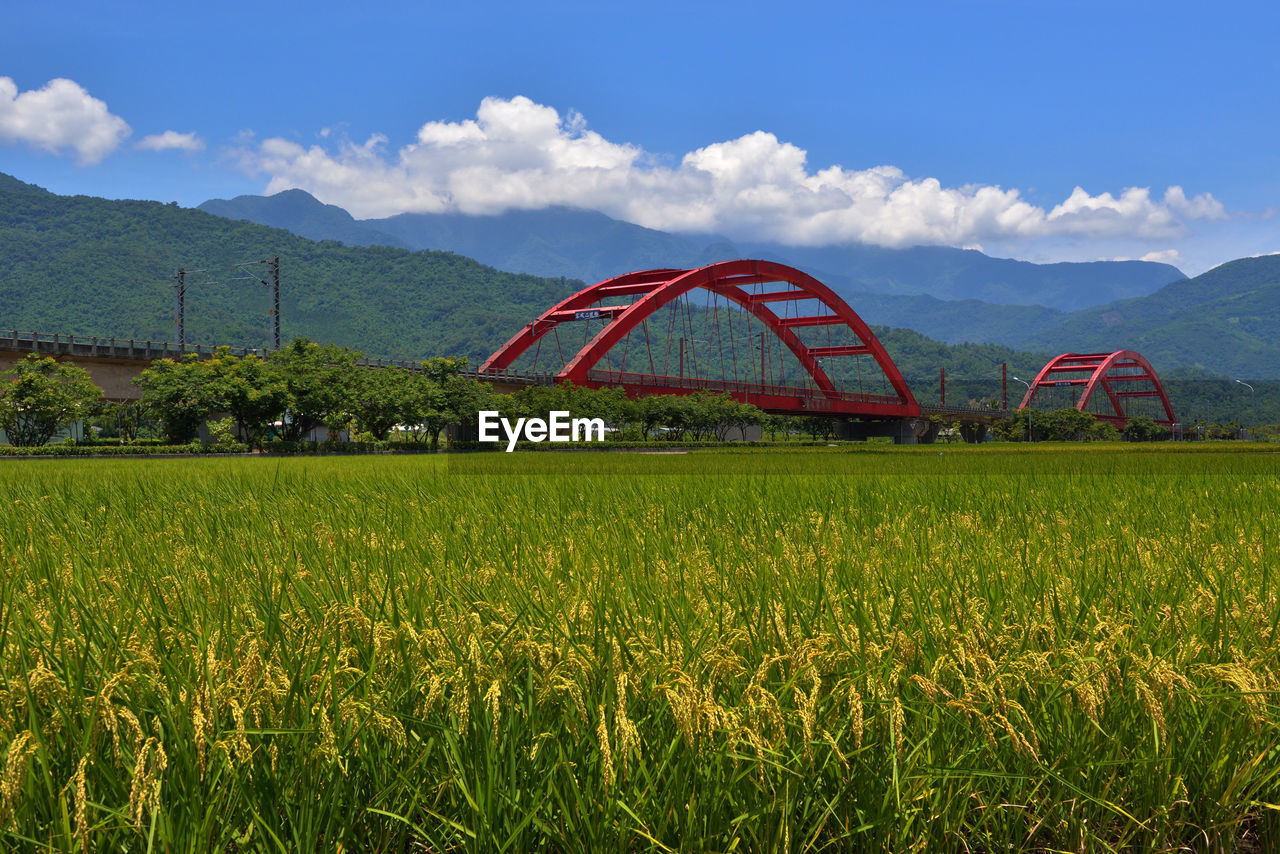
(588, 245)
(578, 244)
(303, 214)
(966, 274)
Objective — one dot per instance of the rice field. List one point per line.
(915, 649)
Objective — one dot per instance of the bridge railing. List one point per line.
(137, 349)
(55, 344)
(512, 376)
(937, 409)
(700, 384)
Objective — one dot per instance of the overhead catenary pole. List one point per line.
(180, 305)
(272, 281)
(275, 301)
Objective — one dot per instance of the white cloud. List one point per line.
(58, 117)
(519, 154)
(1164, 256)
(171, 140)
(1203, 206)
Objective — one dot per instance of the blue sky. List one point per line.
(1046, 131)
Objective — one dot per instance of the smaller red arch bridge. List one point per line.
(1123, 377)
(765, 333)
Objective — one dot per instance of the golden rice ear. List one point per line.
(79, 788)
(606, 754)
(16, 767)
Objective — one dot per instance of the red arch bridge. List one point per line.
(1107, 385)
(763, 332)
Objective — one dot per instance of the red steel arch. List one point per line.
(657, 288)
(1106, 371)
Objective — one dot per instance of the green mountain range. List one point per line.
(89, 266)
(1224, 321)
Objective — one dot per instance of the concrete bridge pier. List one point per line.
(903, 431)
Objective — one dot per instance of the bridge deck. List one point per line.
(965, 414)
(797, 400)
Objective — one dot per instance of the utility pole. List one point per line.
(274, 262)
(1004, 384)
(1253, 397)
(942, 385)
(1029, 410)
(180, 305)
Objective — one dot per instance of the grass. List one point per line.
(1023, 648)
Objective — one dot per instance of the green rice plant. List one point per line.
(819, 649)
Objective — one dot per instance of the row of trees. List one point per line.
(1072, 425)
(700, 416)
(303, 386)
(307, 385)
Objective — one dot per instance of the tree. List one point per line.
(181, 394)
(652, 412)
(1012, 428)
(1142, 428)
(253, 391)
(1070, 425)
(41, 396)
(681, 417)
(119, 420)
(819, 426)
(703, 413)
(609, 404)
(771, 424)
(1102, 431)
(319, 383)
(744, 415)
(442, 397)
(383, 398)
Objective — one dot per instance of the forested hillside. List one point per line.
(90, 266)
(1224, 321)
